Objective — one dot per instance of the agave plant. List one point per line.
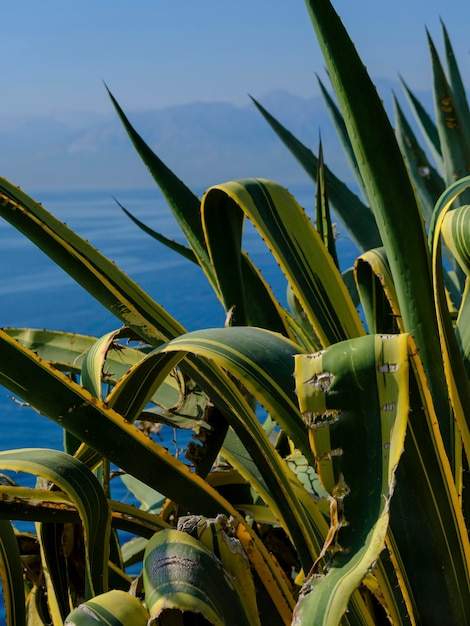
(343, 502)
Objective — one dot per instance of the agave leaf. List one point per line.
(454, 143)
(98, 275)
(135, 521)
(459, 386)
(302, 329)
(35, 504)
(93, 366)
(429, 186)
(307, 476)
(323, 218)
(63, 350)
(11, 575)
(392, 196)
(235, 478)
(354, 396)
(380, 410)
(261, 360)
(263, 309)
(133, 551)
(113, 607)
(67, 352)
(348, 278)
(426, 125)
(44, 505)
(428, 183)
(131, 394)
(57, 543)
(150, 500)
(217, 536)
(36, 607)
(73, 478)
(235, 453)
(425, 511)
(203, 342)
(355, 216)
(377, 292)
(457, 86)
(118, 579)
(449, 227)
(181, 574)
(342, 132)
(295, 245)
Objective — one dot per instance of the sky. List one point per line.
(152, 54)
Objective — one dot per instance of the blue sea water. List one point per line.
(35, 293)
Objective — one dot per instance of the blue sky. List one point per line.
(155, 53)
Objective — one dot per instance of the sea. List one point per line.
(35, 293)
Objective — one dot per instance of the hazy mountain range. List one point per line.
(203, 143)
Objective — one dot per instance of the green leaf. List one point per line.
(262, 361)
(218, 537)
(63, 350)
(428, 539)
(263, 309)
(457, 86)
(135, 521)
(342, 132)
(92, 373)
(11, 575)
(323, 217)
(354, 396)
(133, 551)
(57, 542)
(113, 608)
(455, 144)
(459, 385)
(426, 125)
(453, 229)
(377, 292)
(429, 186)
(181, 574)
(427, 181)
(150, 500)
(44, 505)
